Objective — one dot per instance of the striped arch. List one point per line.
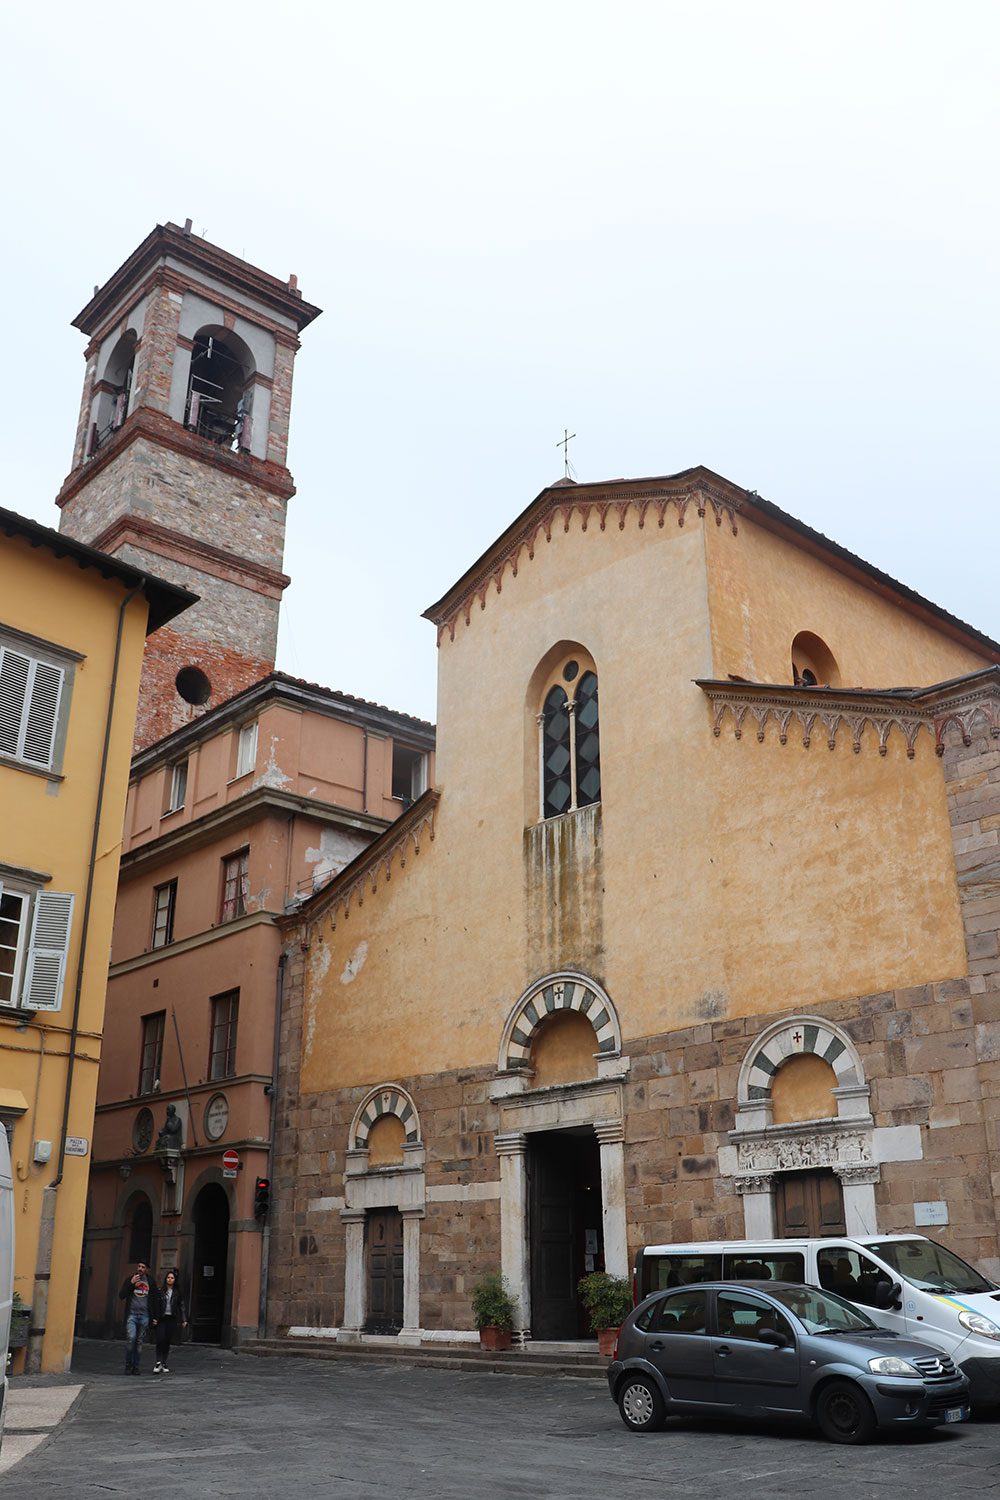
(387, 1099)
(790, 1038)
(566, 990)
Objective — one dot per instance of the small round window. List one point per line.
(193, 686)
(570, 670)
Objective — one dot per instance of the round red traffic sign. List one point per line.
(230, 1160)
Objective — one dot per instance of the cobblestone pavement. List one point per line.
(224, 1424)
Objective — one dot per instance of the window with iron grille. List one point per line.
(235, 884)
(164, 901)
(222, 1054)
(151, 1058)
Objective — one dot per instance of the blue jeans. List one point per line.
(135, 1331)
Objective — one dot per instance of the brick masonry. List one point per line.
(930, 1053)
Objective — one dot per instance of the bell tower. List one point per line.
(179, 463)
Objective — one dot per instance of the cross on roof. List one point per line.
(564, 443)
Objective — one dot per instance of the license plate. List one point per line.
(956, 1414)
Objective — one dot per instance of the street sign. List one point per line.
(229, 1171)
(230, 1161)
(77, 1145)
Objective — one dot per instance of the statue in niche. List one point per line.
(169, 1138)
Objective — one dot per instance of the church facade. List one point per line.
(694, 936)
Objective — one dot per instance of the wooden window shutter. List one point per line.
(43, 714)
(14, 672)
(46, 967)
(29, 707)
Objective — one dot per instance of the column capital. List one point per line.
(608, 1132)
(352, 1215)
(854, 1176)
(510, 1143)
(760, 1182)
(412, 1213)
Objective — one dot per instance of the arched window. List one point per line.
(113, 391)
(220, 389)
(569, 738)
(813, 663)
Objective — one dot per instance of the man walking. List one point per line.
(135, 1293)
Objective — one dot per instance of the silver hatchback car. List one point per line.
(777, 1349)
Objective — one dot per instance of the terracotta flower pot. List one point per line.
(494, 1338)
(606, 1339)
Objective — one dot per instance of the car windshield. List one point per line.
(821, 1312)
(930, 1267)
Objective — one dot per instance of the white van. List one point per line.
(6, 1267)
(904, 1282)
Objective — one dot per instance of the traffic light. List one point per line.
(261, 1197)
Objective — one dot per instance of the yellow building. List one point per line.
(695, 938)
(73, 623)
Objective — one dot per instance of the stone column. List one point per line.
(511, 1146)
(758, 1206)
(354, 1273)
(858, 1185)
(611, 1135)
(410, 1331)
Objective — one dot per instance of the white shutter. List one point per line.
(46, 967)
(43, 713)
(14, 670)
(29, 707)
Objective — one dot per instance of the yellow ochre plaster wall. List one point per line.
(46, 826)
(727, 878)
(763, 590)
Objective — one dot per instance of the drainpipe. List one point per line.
(272, 1091)
(46, 1231)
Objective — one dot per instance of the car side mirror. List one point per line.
(774, 1337)
(887, 1294)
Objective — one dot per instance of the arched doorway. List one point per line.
(211, 1257)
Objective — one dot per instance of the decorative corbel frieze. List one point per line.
(859, 717)
(563, 508)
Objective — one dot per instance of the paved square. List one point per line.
(232, 1425)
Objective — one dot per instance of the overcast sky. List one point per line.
(758, 236)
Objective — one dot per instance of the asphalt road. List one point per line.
(224, 1424)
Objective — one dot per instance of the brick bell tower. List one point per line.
(179, 463)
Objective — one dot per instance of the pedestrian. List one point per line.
(169, 1313)
(136, 1292)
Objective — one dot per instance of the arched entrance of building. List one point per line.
(211, 1258)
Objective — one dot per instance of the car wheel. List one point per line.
(641, 1405)
(845, 1414)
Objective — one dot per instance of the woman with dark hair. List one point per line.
(169, 1312)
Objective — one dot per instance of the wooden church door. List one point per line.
(385, 1271)
(809, 1205)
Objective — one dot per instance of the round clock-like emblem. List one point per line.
(216, 1116)
(142, 1130)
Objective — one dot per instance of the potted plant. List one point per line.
(608, 1301)
(493, 1311)
(20, 1321)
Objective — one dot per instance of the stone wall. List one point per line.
(919, 1051)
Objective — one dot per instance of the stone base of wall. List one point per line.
(918, 1048)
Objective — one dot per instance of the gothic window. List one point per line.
(556, 755)
(570, 744)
